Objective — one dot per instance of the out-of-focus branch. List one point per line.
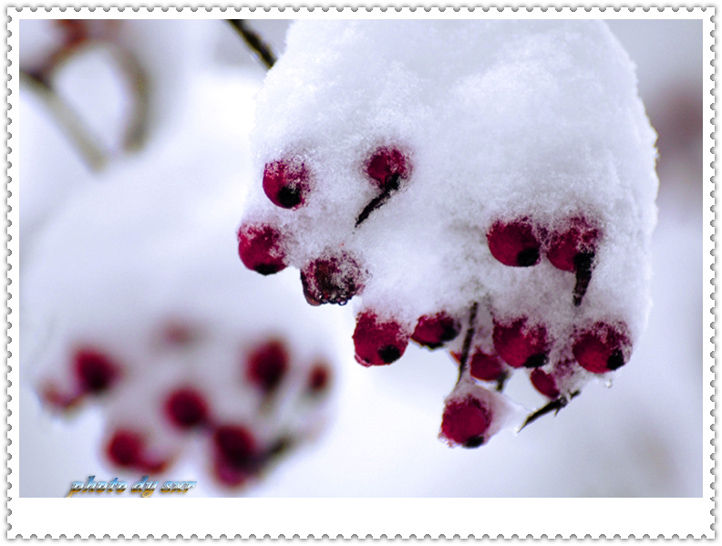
(68, 120)
(255, 42)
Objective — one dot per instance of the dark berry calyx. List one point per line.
(267, 365)
(516, 243)
(378, 341)
(603, 348)
(521, 344)
(186, 408)
(95, 371)
(286, 182)
(332, 280)
(465, 422)
(260, 248)
(436, 330)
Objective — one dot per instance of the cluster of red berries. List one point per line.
(240, 449)
(488, 354)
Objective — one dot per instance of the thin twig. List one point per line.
(553, 406)
(466, 348)
(254, 41)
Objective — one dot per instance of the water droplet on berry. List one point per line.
(259, 246)
(433, 331)
(95, 371)
(378, 341)
(267, 365)
(286, 183)
(331, 280)
(186, 408)
(602, 348)
(514, 243)
(521, 345)
(465, 422)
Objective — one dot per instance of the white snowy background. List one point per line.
(643, 437)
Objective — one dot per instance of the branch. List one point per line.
(253, 40)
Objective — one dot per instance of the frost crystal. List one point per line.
(499, 173)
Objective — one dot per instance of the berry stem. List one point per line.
(553, 406)
(377, 202)
(466, 348)
(583, 264)
(253, 40)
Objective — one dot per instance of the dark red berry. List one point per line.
(544, 383)
(465, 422)
(514, 243)
(286, 183)
(331, 280)
(520, 344)
(125, 448)
(267, 365)
(319, 378)
(602, 348)
(378, 341)
(235, 454)
(387, 166)
(95, 371)
(433, 331)
(186, 408)
(566, 245)
(485, 367)
(260, 249)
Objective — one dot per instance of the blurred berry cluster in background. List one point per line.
(149, 347)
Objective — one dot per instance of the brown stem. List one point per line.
(466, 348)
(253, 40)
(553, 406)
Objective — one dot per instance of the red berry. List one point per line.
(259, 246)
(235, 457)
(331, 280)
(286, 183)
(465, 422)
(95, 371)
(387, 166)
(519, 344)
(434, 331)
(125, 448)
(186, 408)
(485, 367)
(319, 378)
(566, 246)
(602, 348)
(267, 365)
(514, 243)
(544, 383)
(377, 341)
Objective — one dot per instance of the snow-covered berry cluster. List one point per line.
(145, 310)
(483, 186)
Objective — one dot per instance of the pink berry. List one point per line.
(485, 367)
(566, 246)
(186, 408)
(331, 280)
(465, 422)
(125, 449)
(286, 183)
(260, 249)
(433, 331)
(521, 345)
(378, 341)
(319, 378)
(387, 166)
(514, 243)
(602, 348)
(267, 365)
(544, 383)
(95, 371)
(235, 457)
